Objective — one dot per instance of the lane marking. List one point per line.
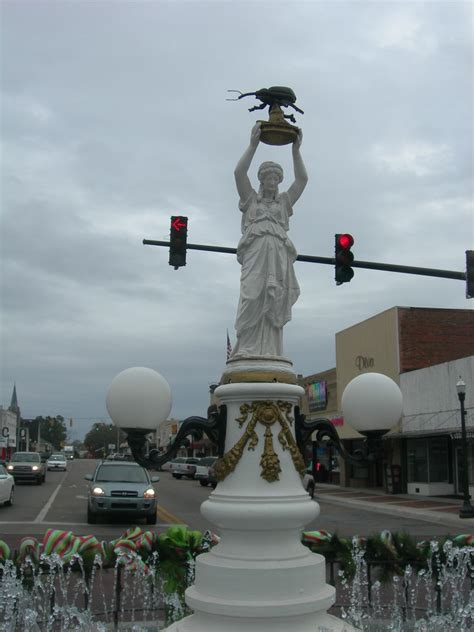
(47, 507)
(164, 514)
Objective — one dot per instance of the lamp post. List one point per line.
(467, 510)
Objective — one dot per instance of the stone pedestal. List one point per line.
(260, 578)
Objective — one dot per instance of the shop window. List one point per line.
(438, 459)
(417, 455)
(428, 460)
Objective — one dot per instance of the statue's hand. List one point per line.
(255, 135)
(299, 140)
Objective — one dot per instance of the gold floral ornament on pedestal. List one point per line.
(268, 414)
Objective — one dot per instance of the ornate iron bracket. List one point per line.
(214, 427)
(325, 430)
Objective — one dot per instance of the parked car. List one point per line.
(7, 486)
(27, 466)
(57, 462)
(166, 467)
(121, 487)
(308, 483)
(211, 477)
(184, 466)
(202, 469)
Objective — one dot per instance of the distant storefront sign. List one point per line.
(317, 396)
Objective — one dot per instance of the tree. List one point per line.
(51, 429)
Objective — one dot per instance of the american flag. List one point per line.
(229, 346)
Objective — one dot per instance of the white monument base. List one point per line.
(260, 577)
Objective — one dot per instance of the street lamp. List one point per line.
(467, 510)
(372, 403)
(139, 399)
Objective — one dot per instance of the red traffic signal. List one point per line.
(345, 241)
(343, 258)
(178, 241)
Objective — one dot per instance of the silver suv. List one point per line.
(121, 488)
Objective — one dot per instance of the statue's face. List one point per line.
(270, 182)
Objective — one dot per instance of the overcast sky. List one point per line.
(114, 118)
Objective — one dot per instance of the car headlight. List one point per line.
(149, 493)
(98, 491)
(34, 468)
(10, 467)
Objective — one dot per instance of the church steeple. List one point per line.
(14, 402)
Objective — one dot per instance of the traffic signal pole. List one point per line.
(370, 265)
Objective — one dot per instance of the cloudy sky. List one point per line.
(114, 117)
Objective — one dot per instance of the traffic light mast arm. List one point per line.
(388, 267)
(371, 265)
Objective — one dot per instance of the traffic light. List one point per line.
(469, 273)
(343, 258)
(178, 237)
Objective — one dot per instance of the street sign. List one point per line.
(5, 432)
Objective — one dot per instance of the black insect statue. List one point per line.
(276, 96)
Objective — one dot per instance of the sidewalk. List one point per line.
(429, 508)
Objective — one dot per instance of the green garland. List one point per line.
(177, 547)
(390, 553)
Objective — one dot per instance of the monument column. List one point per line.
(260, 577)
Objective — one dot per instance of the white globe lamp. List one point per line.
(139, 399)
(372, 402)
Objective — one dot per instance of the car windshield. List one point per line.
(122, 474)
(26, 457)
(56, 457)
(208, 460)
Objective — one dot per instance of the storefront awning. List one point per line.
(454, 433)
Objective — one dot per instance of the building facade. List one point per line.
(429, 440)
(406, 344)
(9, 427)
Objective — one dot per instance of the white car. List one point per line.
(7, 486)
(202, 470)
(57, 462)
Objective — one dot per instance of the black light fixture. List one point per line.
(466, 510)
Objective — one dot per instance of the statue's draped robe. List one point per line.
(268, 285)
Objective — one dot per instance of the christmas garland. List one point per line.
(390, 553)
(174, 549)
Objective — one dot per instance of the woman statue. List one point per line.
(268, 285)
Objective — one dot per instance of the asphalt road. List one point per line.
(61, 502)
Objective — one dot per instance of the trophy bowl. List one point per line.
(277, 133)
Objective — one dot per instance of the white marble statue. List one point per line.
(268, 285)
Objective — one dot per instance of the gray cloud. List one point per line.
(115, 117)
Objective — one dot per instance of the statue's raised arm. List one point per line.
(242, 181)
(301, 177)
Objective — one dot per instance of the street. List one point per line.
(61, 503)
